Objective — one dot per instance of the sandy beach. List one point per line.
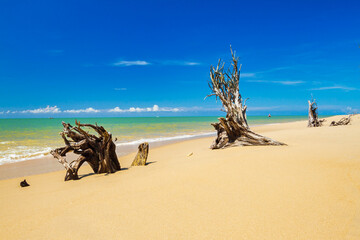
(309, 189)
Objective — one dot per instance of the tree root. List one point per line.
(98, 151)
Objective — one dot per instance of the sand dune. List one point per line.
(309, 189)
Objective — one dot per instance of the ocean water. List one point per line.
(24, 139)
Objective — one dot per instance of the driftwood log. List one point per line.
(342, 121)
(234, 129)
(97, 151)
(313, 114)
(142, 155)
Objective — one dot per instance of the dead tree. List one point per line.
(141, 156)
(97, 151)
(342, 121)
(313, 114)
(234, 129)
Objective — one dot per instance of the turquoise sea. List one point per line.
(23, 139)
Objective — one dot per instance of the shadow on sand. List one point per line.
(106, 174)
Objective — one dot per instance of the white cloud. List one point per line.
(155, 108)
(87, 110)
(286, 82)
(247, 75)
(351, 110)
(165, 62)
(116, 109)
(48, 109)
(191, 63)
(206, 109)
(334, 88)
(131, 63)
(132, 109)
(165, 109)
(179, 63)
(120, 89)
(55, 109)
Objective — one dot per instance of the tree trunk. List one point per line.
(98, 151)
(231, 133)
(234, 130)
(142, 155)
(313, 115)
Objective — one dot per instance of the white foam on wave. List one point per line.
(22, 153)
(165, 139)
(6, 142)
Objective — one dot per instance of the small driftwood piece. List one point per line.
(24, 183)
(313, 114)
(142, 155)
(342, 121)
(232, 130)
(97, 151)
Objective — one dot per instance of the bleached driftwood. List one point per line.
(232, 130)
(342, 121)
(313, 114)
(142, 155)
(97, 151)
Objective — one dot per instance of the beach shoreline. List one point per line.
(47, 163)
(28, 138)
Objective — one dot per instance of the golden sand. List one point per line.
(309, 189)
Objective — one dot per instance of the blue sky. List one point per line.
(152, 58)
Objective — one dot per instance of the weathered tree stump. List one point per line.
(231, 133)
(97, 151)
(232, 130)
(313, 114)
(142, 155)
(342, 121)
